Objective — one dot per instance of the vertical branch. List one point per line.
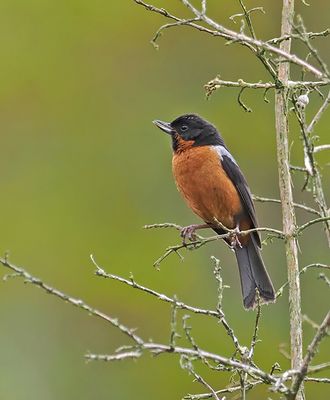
(288, 212)
(312, 167)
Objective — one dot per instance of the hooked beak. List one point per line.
(164, 126)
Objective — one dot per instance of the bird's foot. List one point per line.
(234, 239)
(188, 232)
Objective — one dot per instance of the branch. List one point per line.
(187, 364)
(217, 83)
(296, 205)
(132, 283)
(310, 35)
(311, 351)
(301, 30)
(319, 114)
(321, 148)
(288, 211)
(317, 368)
(301, 272)
(309, 223)
(232, 36)
(140, 344)
(157, 348)
(248, 385)
(203, 241)
(113, 357)
(310, 162)
(325, 279)
(20, 272)
(219, 313)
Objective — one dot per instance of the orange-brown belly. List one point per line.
(205, 186)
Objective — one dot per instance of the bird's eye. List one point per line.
(184, 128)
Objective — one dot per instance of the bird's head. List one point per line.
(190, 130)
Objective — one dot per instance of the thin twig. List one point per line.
(313, 369)
(187, 364)
(157, 348)
(20, 272)
(319, 114)
(325, 279)
(113, 357)
(196, 244)
(304, 37)
(321, 148)
(296, 205)
(249, 385)
(140, 344)
(219, 30)
(256, 328)
(310, 35)
(132, 283)
(301, 272)
(311, 351)
(310, 223)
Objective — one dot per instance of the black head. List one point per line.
(191, 128)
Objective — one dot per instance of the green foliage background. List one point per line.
(83, 169)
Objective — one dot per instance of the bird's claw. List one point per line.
(234, 239)
(188, 233)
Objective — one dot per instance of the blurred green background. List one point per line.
(83, 169)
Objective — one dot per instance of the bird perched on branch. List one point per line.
(214, 187)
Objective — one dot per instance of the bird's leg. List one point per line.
(188, 232)
(233, 238)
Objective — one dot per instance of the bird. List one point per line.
(214, 187)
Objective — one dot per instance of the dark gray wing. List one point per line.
(233, 171)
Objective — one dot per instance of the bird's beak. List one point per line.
(164, 126)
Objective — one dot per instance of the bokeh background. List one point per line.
(83, 169)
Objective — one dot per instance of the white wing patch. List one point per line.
(222, 151)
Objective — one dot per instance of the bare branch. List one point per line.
(317, 368)
(248, 385)
(203, 241)
(301, 272)
(113, 357)
(288, 211)
(312, 323)
(187, 364)
(132, 283)
(232, 36)
(296, 205)
(310, 162)
(310, 35)
(309, 223)
(321, 148)
(318, 380)
(325, 279)
(301, 30)
(20, 272)
(311, 351)
(256, 328)
(157, 348)
(319, 114)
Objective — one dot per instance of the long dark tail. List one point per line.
(253, 275)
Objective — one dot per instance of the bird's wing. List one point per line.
(233, 171)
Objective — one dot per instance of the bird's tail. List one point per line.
(253, 275)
